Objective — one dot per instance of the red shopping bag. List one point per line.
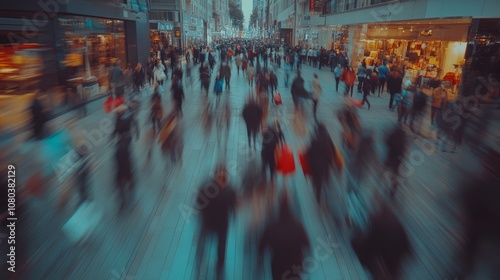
(306, 169)
(355, 103)
(108, 104)
(277, 99)
(285, 163)
(118, 101)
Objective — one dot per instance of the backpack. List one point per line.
(218, 86)
(407, 99)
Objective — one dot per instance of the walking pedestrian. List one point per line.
(252, 115)
(383, 73)
(316, 94)
(272, 138)
(337, 72)
(287, 241)
(397, 144)
(394, 86)
(39, 117)
(348, 77)
(406, 104)
(361, 73)
(320, 156)
(218, 199)
(177, 95)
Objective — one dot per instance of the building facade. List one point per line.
(431, 38)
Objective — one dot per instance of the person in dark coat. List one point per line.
(138, 77)
(394, 86)
(225, 73)
(397, 144)
(177, 95)
(298, 89)
(204, 77)
(287, 241)
(271, 139)
(39, 117)
(216, 201)
(320, 156)
(125, 125)
(252, 114)
(124, 173)
(273, 81)
(178, 73)
(382, 249)
(480, 194)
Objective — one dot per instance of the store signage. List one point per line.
(165, 26)
(311, 5)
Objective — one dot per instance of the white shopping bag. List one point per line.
(83, 222)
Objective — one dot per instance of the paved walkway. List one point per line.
(157, 238)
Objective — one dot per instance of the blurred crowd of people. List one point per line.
(341, 174)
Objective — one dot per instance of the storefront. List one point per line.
(63, 55)
(424, 49)
(194, 30)
(161, 35)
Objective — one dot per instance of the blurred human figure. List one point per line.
(287, 241)
(397, 144)
(252, 114)
(316, 86)
(177, 95)
(361, 73)
(417, 112)
(225, 73)
(156, 110)
(273, 82)
(138, 77)
(384, 246)
(216, 200)
(39, 117)
(438, 101)
(204, 77)
(338, 73)
(383, 73)
(237, 61)
(124, 173)
(177, 73)
(480, 194)
(272, 138)
(348, 77)
(394, 86)
(288, 72)
(250, 74)
(298, 90)
(320, 157)
(159, 73)
(367, 88)
(351, 126)
(451, 124)
(115, 77)
(406, 104)
(125, 125)
(171, 138)
(83, 174)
